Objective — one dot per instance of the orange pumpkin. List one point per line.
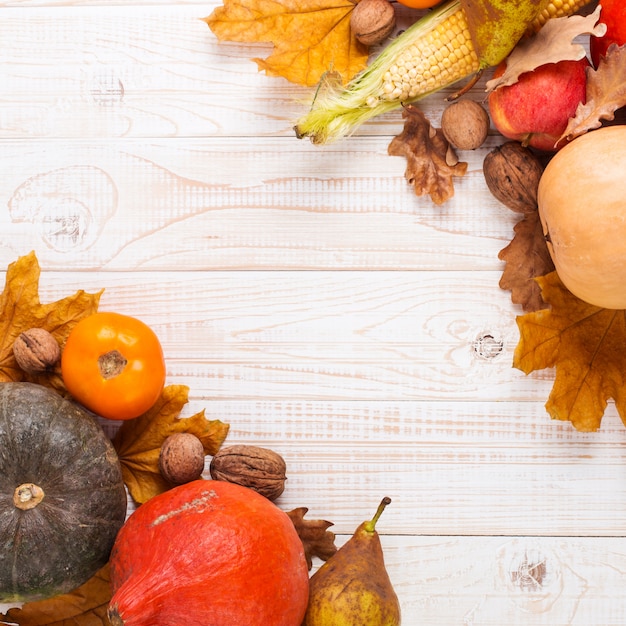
(208, 553)
(582, 206)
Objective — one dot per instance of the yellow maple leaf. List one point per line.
(85, 606)
(587, 346)
(310, 37)
(20, 310)
(138, 441)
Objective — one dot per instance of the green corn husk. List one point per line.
(338, 112)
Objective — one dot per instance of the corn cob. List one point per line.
(433, 53)
(556, 8)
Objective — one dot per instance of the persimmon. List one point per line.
(113, 365)
(420, 4)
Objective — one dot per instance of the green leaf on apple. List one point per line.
(553, 43)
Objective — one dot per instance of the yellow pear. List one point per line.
(353, 588)
(497, 25)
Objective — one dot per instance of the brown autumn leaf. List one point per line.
(21, 309)
(85, 606)
(587, 346)
(606, 93)
(526, 258)
(138, 441)
(553, 43)
(431, 161)
(309, 37)
(317, 540)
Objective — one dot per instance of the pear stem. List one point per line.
(369, 526)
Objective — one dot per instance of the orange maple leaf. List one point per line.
(587, 346)
(310, 37)
(21, 309)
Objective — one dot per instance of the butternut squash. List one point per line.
(582, 206)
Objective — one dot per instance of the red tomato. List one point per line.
(420, 4)
(613, 14)
(113, 364)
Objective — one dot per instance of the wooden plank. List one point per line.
(476, 468)
(518, 581)
(38, 4)
(133, 71)
(217, 203)
(144, 71)
(327, 335)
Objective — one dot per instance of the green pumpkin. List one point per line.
(62, 497)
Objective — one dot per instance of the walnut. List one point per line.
(257, 468)
(36, 351)
(465, 124)
(512, 174)
(181, 458)
(372, 21)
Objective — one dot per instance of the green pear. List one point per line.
(497, 25)
(353, 588)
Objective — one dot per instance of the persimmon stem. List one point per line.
(111, 364)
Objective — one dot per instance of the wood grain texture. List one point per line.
(309, 299)
(490, 581)
(145, 71)
(217, 203)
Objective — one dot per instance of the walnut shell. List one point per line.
(181, 458)
(372, 21)
(36, 351)
(257, 468)
(465, 124)
(512, 173)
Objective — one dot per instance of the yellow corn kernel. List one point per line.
(443, 56)
(556, 8)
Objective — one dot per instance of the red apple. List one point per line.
(535, 110)
(613, 14)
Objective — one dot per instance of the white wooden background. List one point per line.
(308, 298)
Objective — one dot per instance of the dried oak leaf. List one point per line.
(309, 37)
(553, 43)
(317, 540)
(21, 309)
(138, 441)
(431, 161)
(587, 346)
(85, 606)
(526, 258)
(606, 93)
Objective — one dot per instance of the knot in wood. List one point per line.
(487, 346)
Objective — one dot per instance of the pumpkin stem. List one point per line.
(111, 364)
(114, 617)
(27, 496)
